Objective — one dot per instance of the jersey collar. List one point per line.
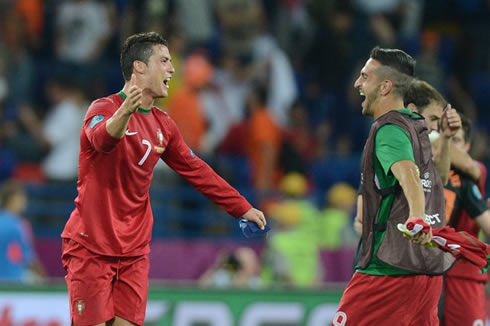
(140, 109)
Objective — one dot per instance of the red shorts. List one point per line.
(463, 302)
(390, 300)
(102, 287)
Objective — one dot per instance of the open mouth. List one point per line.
(165, 81)
(363, 96)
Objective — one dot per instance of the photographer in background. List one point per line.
(235, 269)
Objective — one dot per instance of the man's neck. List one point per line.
(146, 99)
(386, 105)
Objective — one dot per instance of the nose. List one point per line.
(357, 83)
(172, 69)
(434, 126)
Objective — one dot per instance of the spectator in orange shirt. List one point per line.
(185, 106)
(263, 141)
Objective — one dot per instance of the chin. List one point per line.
(367, 111)
(164, 92)
(364, 109)
(161, 94)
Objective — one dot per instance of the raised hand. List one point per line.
(133, 98)
(450, 122)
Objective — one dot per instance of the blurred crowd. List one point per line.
(265, 84)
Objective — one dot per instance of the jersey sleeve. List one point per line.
(200, 175)
(472, 198)
(392, 145)
(94, 126)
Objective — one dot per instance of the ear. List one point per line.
(139, 66)
(386, 87)
(412, 107)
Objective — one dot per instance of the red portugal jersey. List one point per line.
(464, 202)
(113, 215)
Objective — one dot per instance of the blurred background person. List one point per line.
(292, 252)
(61, 130)
(239, 268)
(17, 255)
(336, 218)
(185, 106)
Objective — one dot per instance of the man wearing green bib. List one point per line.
(397, 281)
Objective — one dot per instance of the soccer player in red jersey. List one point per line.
(463, 299)
(106, 239)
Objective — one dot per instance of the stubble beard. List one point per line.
(369, 102)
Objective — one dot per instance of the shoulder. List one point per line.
(483, 170)
(163, 118)
(404, 118)
(103, 106)
(483, 176)
(109, 103)
(390, 131)
(393, 141)
(9, 223)
(470, 187)
(159, 113)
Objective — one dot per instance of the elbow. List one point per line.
(104, 144)
(475, 172)
(104, 148)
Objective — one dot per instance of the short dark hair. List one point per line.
(138, 47)
(9, 190)
(397, 66)
(396, 59)
(466, 124)
(421, 93)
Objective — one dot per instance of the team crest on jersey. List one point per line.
(160, 149)
(80, 306)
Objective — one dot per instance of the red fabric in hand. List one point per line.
(412, 222)
(459, 244)
(470, 248)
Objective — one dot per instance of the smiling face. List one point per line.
(432, 114)
(368, 85)
(157, 73)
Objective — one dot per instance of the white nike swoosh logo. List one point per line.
(130, 133)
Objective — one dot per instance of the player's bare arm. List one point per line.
(118, 123)
(483, 221)
(256, 216)
(450, 124)
(358, 217)
(407, 174)
(463, 161)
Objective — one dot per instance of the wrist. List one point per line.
(126, 112)
(414, 217)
